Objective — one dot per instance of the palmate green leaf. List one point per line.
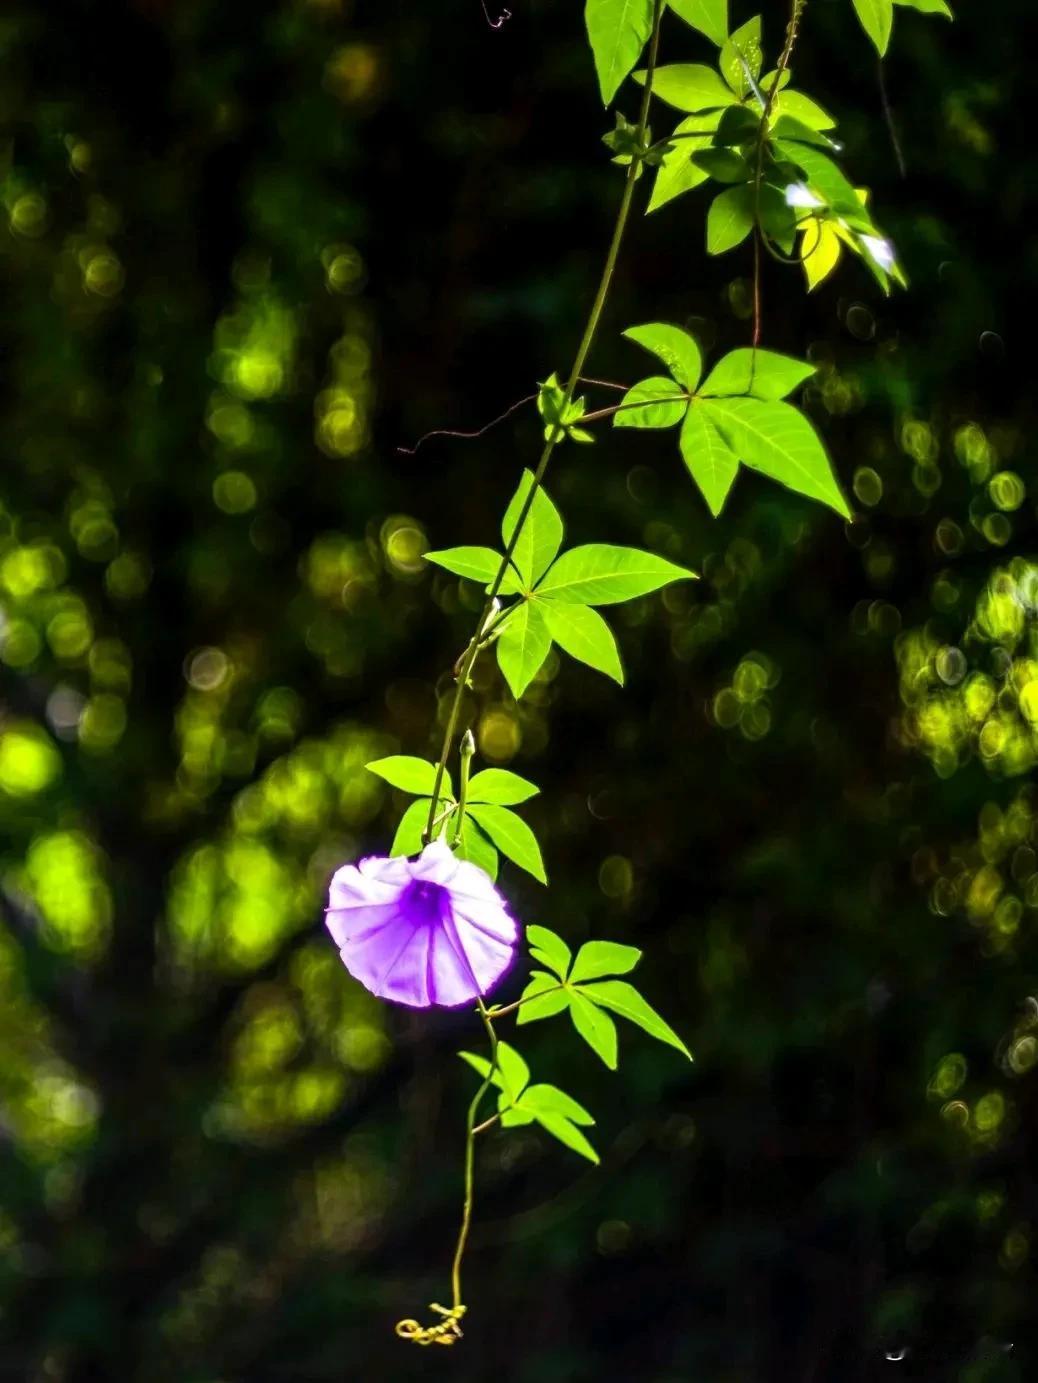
(617, 30)
(598, 958)
(473, 846)
(877, 17)
(512, 837)
(676, 348)
(568, 1134)
(549, 1099)
(550, 949)
(709, 459)
(710, 17)
(501, 786)
(730, 219)
(581, 632)
(542, 998)
(601, 574)
(787, 126)
(689, 86)
(653, 402)
(625, 1000)
(596, 1028)
(760, 373)
(475, 564)
(677, 173)
(410, 774)
(408, 838)
(541, 534)
(742, 57)
(778, 441)
(523, 646)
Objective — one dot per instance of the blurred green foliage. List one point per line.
(247, 252)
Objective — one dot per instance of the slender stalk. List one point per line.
(466, 751)
(470, 1161)
(468, 660)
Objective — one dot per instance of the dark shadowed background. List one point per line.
(247, 251)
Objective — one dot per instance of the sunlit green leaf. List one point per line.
(514, 1116)
(709, 459)
(676, 348)
(502, 786)
(778, 441)
(541, 534)
(601, 574)
(549, 948)
(763, 374)
(581, 632)
(514, 1072)
(730, 219)
(474, 847)
(542, 998)
(689, 86)
(618, 30)
(928, 7)
(625, 1000)
(408, 838)
(596, 1028)
(804, 109)
(597, 958)
(475, 564)
(876, 17)
(677, 173)
(568, 1134)
(481, 1066)
(549, 1099)
(523, 646)
(653, 402)
(710, 17)
(410, 774)
(825, 178)
(512, 837)
(742, 57)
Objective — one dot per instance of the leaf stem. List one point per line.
(495, 1013)
(591, 327)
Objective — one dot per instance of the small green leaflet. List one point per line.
(410, 774)
(581, 632)
(541, 535)
(742, 57)
(512, 837)
(928, 7)
(710, 461)
(523, 645)
(777, 440)
(519, 1102)
(476, 564)
(501, 786)
(690, 86)
(617, 30)
(561, 416)
(676, 348)
(763, 374)
(729, 219)
(585, 986)
(603, 574)
(710, 17)
(652, 402)
(677, 173)
(877, 18)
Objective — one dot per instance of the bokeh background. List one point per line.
(247, 252)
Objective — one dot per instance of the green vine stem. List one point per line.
(468, 659)
(448, 1330)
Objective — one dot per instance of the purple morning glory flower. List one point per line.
(429, 931)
